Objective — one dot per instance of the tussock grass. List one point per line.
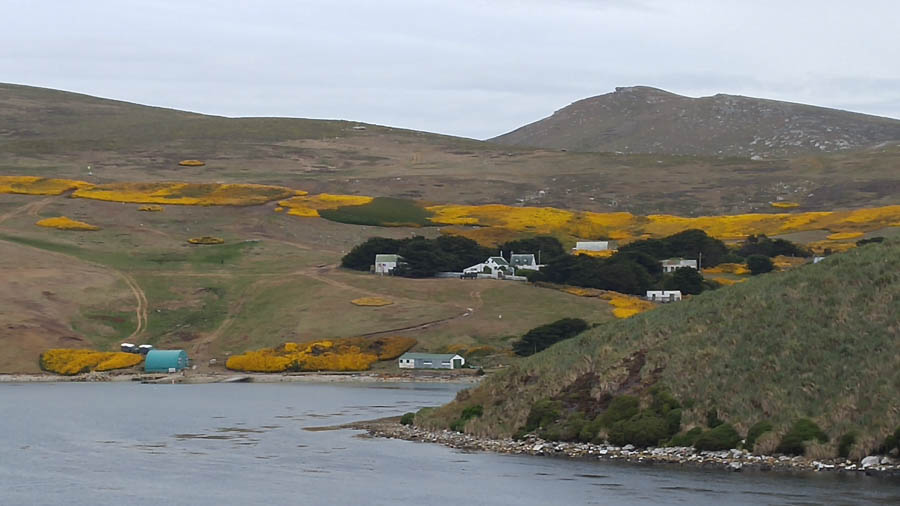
(817, 342)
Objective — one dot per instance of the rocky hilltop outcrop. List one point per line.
(641, 119)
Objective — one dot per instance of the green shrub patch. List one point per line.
(803, 430)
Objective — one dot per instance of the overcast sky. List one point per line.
(461, 67)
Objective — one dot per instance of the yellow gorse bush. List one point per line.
(308, 206)
(63, 223)
(727, 281)
(206, 239)
(348, 354)
(371, 301)
(784, 205)
(625, 226)
(196, 194)
(626, 306)
(192, 163)
(71, 361)
(30, 185)
(736, 269)
(842, 236)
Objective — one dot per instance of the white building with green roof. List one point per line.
(385, 264)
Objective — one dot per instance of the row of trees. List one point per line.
(424, 257)
(634, 269)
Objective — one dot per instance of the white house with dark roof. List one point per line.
(385, 264)
(672, 264)
(524, 261)
(494, 266)
(664, 295)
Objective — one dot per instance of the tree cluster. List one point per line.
(762, 245)
(422, 257)
(687, 244)
(540, 338)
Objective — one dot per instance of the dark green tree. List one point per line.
(540, 338)
(759, 264)
(686, 279)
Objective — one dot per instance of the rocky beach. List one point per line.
(730, 460)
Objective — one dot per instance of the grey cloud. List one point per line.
(471, 68)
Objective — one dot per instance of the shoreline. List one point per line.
(728, 460)
(195, 378)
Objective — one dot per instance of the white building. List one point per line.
(595, 246)
(672, 264)
(524, 261)
(663, 295)
(385, 264)
(430, 361)
(496, 267)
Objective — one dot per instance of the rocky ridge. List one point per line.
(640, 119)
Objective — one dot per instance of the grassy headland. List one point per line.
(818, 342)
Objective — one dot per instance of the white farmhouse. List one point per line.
(496, 267)
(672, 264)
(663, 295)
(595, 246)
(385, 264)
(524, 261)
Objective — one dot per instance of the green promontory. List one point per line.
(817, 343)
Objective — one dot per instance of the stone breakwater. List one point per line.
(732, 460)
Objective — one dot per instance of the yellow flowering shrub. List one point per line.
(196, 194)
(348, 354)
(784, 205)
(279, 209)
(727, 281)
(598, 254)
(119, 360)
(192, 163)
(841, 236)
(626, 306)
(371, 301)
(63, 223)
(206, 239)
(152, 208)
(822, 247)
(308, 206)
(74, 361)
(259, 361)
(736, 269)
(784, 263)
(582, 292)
(31, 185)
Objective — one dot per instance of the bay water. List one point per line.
(127, 443)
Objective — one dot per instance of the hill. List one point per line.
(819, 342)
(641, 119)
(53, 133)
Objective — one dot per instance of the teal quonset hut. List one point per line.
(165, 360)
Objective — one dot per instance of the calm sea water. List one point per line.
(90, 444)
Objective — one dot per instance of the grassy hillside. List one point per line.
(59, 134)
(641, 119)
(274, 279)
(818, 342)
